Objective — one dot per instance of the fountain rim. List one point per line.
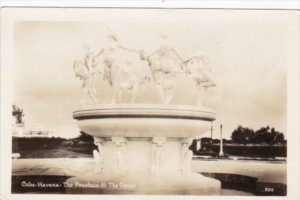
(144, 111)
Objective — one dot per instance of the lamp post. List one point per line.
(221, 153)
(211, 131)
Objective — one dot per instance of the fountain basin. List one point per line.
(144, 120)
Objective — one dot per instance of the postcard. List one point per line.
(115, 102)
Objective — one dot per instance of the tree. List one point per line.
(280, 138)
(215, 141)
(206, 140)
(205, 143)
(243, 135)
(18, 114)
(268, 136)
(264, 135)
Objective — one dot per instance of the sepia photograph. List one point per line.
(124, 101)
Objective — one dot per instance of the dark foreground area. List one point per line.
(52, 148)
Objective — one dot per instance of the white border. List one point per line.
(231, 4)
(293, 108)
(6, 93)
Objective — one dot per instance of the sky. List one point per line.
(247, 50)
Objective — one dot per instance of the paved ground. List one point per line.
(52, 166)
(227, 192)
(264, 171)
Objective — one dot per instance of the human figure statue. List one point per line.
(164, 64)
(98, 155)
(120, 156)
(157, 148)
(186, 158)
(126, 82)
(197, 67)
(85, 68)
(98, 160)
(120, 73)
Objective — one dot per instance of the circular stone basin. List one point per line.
(143, 120)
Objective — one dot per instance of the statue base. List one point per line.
(152, 166)
(143, 149)
(139, 184)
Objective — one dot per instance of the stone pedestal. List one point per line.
(144, 149)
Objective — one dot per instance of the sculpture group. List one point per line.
(164, 64)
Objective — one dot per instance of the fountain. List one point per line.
(142, 148)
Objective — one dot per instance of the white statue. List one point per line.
(120, 155)
(85, 68)
(98, 155)
(164, 63)
(98, 160)
(157, 149)
(186, 156)
(125, 81)
(198, 69)
(120, 73)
